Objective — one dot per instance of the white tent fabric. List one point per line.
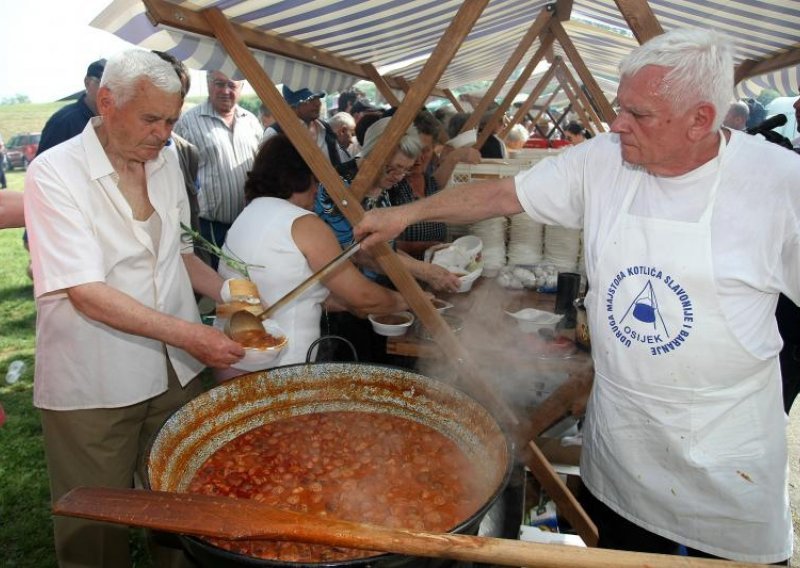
(399, 35)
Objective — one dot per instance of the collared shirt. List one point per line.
(65, 123)
(226, 155)
(83, 231)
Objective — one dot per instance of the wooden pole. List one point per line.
(573, 98)
(381, 84)
(603, 106)
(564, 72)
(351, 207)
(539, 24)
(544, 44)
(420, 89)
(454, 100)
(534, 95)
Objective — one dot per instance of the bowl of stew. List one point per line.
(260, 350)
(392, 325)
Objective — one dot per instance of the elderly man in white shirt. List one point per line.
(227, 137)
(119, 338)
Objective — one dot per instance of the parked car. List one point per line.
(21, 149)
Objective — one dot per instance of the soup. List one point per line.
(357, 466)
(258, 339)
(392, 319)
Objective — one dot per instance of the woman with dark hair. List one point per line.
(574, 133)
(282, 240)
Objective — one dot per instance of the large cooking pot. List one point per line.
(218, 416)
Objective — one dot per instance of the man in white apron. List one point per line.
(691, 233)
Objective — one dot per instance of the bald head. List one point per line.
(736, 119)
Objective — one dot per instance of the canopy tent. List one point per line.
(399, 35)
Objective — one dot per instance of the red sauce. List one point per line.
(258, 339)
(358, 466)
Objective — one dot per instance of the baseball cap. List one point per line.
(294, 98)
(96, 69)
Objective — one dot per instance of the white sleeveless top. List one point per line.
(262, 235)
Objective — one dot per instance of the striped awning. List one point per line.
(398, 36)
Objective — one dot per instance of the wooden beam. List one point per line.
(640, 18)
(404, 85)
(350, 207)
(161, 12)
(573, 99)
(538, 25)
(564, 72)
(454, 100)
(754, 68)
(381, 84)
(532, 97)
(546, 105)
(595, 92)
(566, 503)
(545, 42)
(563, 10)
(418, 92)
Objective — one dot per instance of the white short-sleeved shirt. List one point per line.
(82, 230)
(755, 225)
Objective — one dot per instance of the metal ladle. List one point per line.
(243, 321)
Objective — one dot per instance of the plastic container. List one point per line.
(15, 370)
(391, 325)
(467, 280)
(531, 320)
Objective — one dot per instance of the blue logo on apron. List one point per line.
(644, 306)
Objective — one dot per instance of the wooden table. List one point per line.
(540, 387)
(489, 331)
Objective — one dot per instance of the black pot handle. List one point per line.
(327, 337)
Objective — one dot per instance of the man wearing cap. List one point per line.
(307, 106)
(71, 119)
(228, 137)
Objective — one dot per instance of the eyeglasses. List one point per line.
(393, 171)
(219, 84)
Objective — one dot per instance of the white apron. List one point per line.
(685, 432)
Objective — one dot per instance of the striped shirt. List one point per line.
(226, 155)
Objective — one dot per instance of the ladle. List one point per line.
(243, 320)
(240, 519)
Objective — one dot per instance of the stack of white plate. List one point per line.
(525, 240)
(561, 247)
(493, 234)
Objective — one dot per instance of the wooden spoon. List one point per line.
(243, 321)
(238, 519)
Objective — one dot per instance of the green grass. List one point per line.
(25, 525)
(25, 118)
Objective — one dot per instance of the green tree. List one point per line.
(15, 99)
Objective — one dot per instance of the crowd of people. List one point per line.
(683, 452)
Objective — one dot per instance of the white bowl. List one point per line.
(440, 305)
(259, 359)
(470, 244)
(467, 280)
(385, 325)
(531, 320)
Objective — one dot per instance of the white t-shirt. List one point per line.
(82, 230)
(755, 228)
(262, 236)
